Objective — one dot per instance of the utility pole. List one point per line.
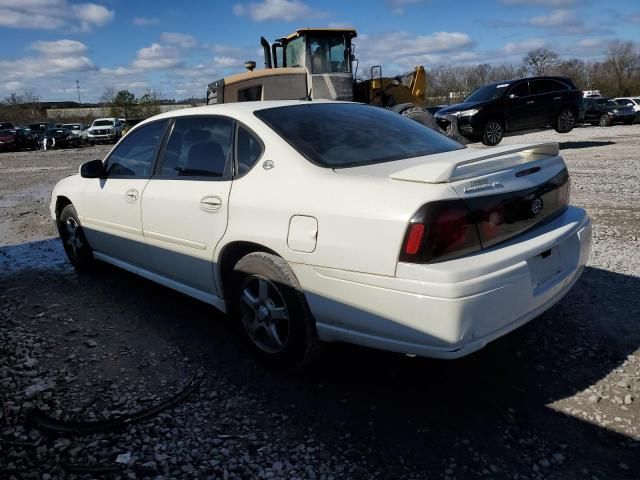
(78, 87)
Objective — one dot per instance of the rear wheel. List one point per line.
(74, 241)
(565, 121)
(273, 312)
(604, 120)
(492, 133)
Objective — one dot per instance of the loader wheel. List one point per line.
(421, 116)
(492, 133)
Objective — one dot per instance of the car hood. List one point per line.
(458, 107)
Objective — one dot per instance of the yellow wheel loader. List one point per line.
(318, 63)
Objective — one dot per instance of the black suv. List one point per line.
(604, 112)
(524, 104)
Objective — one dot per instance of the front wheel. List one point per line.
(273, 311)
(74, 241)
(604, 120)
(492, 133)
(565, 121)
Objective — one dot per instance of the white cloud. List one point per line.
(53, 14)
(281, 10)
(561, 20)
(157, 57)
(29, 68)
(182, 40)
(405, 44)
(523, 46)
(398, 6)
(144, 21)
(59, 47)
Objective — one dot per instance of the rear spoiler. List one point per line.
(474, 162)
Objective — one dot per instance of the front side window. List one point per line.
(249, 150)
(521, 90)
(351, 135)
(294, 53)
(199, 147)
(135, 154)
(250, 94)
(329, 54)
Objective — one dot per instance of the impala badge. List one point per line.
(536, 206)
(268, 165)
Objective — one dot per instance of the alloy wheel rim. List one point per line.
(566, 120)
(494, 132)
(603, 121)
(265, 316)
(73, 239)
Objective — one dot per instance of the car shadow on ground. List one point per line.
(499, 411)
(584, 144)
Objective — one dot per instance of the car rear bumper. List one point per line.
(454, 308)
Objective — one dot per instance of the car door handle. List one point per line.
(211, 203)
(131, 195)
(530, 102)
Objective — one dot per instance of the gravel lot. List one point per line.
(555, 399)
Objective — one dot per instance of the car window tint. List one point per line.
(539, 87)
(249, 150)
(559, 86)
(521, 90)
(348, 134)
(134, 155)
(198, 147)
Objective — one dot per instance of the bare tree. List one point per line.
(108, 96)
(149, 103)
(540, 61)
(624, 61)
(576, 70)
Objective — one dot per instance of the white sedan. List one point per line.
(330, 221)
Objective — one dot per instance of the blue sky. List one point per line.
(178, 47)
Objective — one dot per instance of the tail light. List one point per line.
(449, 229)
(440, 231)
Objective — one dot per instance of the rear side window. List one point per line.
(559, 86)
(250, 94)
(249, 150)
(350, 135)
(538, 87)
(135, 154)
(198, 147)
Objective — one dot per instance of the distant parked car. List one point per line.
(17, 139)
(525, 104)
(105, 130)
(6, 126)
(633, 102)
(78, 130)
(604, 112)
(38, 128)
(59, 138)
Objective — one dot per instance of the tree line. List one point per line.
(617, 74)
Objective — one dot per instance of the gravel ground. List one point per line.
(556, 399)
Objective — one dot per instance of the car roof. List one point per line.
(232, 109)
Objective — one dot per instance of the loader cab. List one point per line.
(326, 54)
(309, 64)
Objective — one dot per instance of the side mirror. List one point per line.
(93, 169)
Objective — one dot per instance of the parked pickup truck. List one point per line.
(105, 130)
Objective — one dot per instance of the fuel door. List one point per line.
(303, 233)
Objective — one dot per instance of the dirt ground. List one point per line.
(556, 399)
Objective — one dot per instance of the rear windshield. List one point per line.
(343, 135)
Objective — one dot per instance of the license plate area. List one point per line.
(545, 268)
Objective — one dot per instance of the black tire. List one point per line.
(492, 133)
(566, 121)
(74, 241)
(273, 312)
(421, 116)
(604, 120)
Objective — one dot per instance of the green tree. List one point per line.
(149, 103)
(124, 105)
